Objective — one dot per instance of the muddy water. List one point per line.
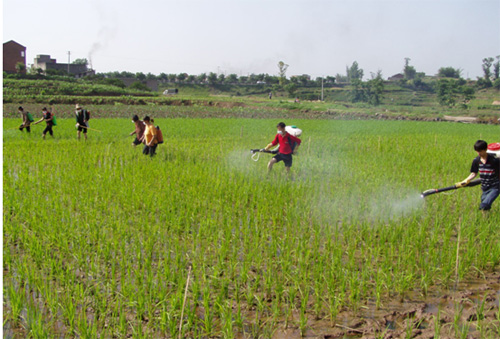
(470, 308)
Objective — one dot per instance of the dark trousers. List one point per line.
(488, 197)
(28, 128)
(48, 129)
(151, 150)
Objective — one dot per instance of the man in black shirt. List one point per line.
(488, 168)
(82, 118)
(48, 117)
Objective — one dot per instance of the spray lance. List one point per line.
(449, 188)
(256, 152)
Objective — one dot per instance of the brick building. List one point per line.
(12, 54)
(45, 62)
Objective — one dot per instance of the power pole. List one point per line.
(322, 88)
(69, 53)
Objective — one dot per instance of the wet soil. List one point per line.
(468, 310)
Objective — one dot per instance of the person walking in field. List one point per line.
(289, 145)
(27, 119)
(149, 137)
(140, 127)
(48, 117)
(488, 168)
(82, 121)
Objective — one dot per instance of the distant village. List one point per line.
(15, 53)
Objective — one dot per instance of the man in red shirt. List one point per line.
(288, 146)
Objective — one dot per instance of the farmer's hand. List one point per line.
(268, 147)
(462, 183)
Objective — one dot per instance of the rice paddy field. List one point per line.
(100, 241)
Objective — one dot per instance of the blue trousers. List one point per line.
(488, 197)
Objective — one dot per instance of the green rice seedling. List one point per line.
(344, 231)
(437, 324)
(17, 300)
(34, 323)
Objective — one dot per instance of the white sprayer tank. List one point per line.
(494, 149)
(293, 130)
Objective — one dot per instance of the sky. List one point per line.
(315, 37)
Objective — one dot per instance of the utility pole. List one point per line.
(69, 53)
(322, 88)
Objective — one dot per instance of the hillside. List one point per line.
(397, 102)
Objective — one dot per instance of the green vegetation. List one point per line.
(17, 89)
(100, 241)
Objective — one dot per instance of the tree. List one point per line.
(449, 91)
(375, 89)
(125, 74)
(341, 79)
(172, 77)
(181, 77)
(81, 61)
(329, 80)
(487, 62)
(232, 78)
(140, 76)
(221, 78)
(354, 72)
(20, 67)
(270, 79)
(282, 67)
(243, 79)
(151, 76)
(409, 72)
(212, 78)
(496, 83)
(291, 88)
(449, 72)
(357, 91)
(202, 78)
(496, 68)
(163, 77)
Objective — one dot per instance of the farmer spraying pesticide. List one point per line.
(48, 117)
(289, 145)
(27, 119)
(82, 121)
(140, 127)
(488, 168)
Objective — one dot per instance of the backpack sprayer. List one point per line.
(293, 130)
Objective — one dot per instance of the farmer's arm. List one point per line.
(466, 181)
(474, 169)
(39, 121)
(273, 143)
(132, 133)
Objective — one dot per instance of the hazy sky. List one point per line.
(251, 36)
